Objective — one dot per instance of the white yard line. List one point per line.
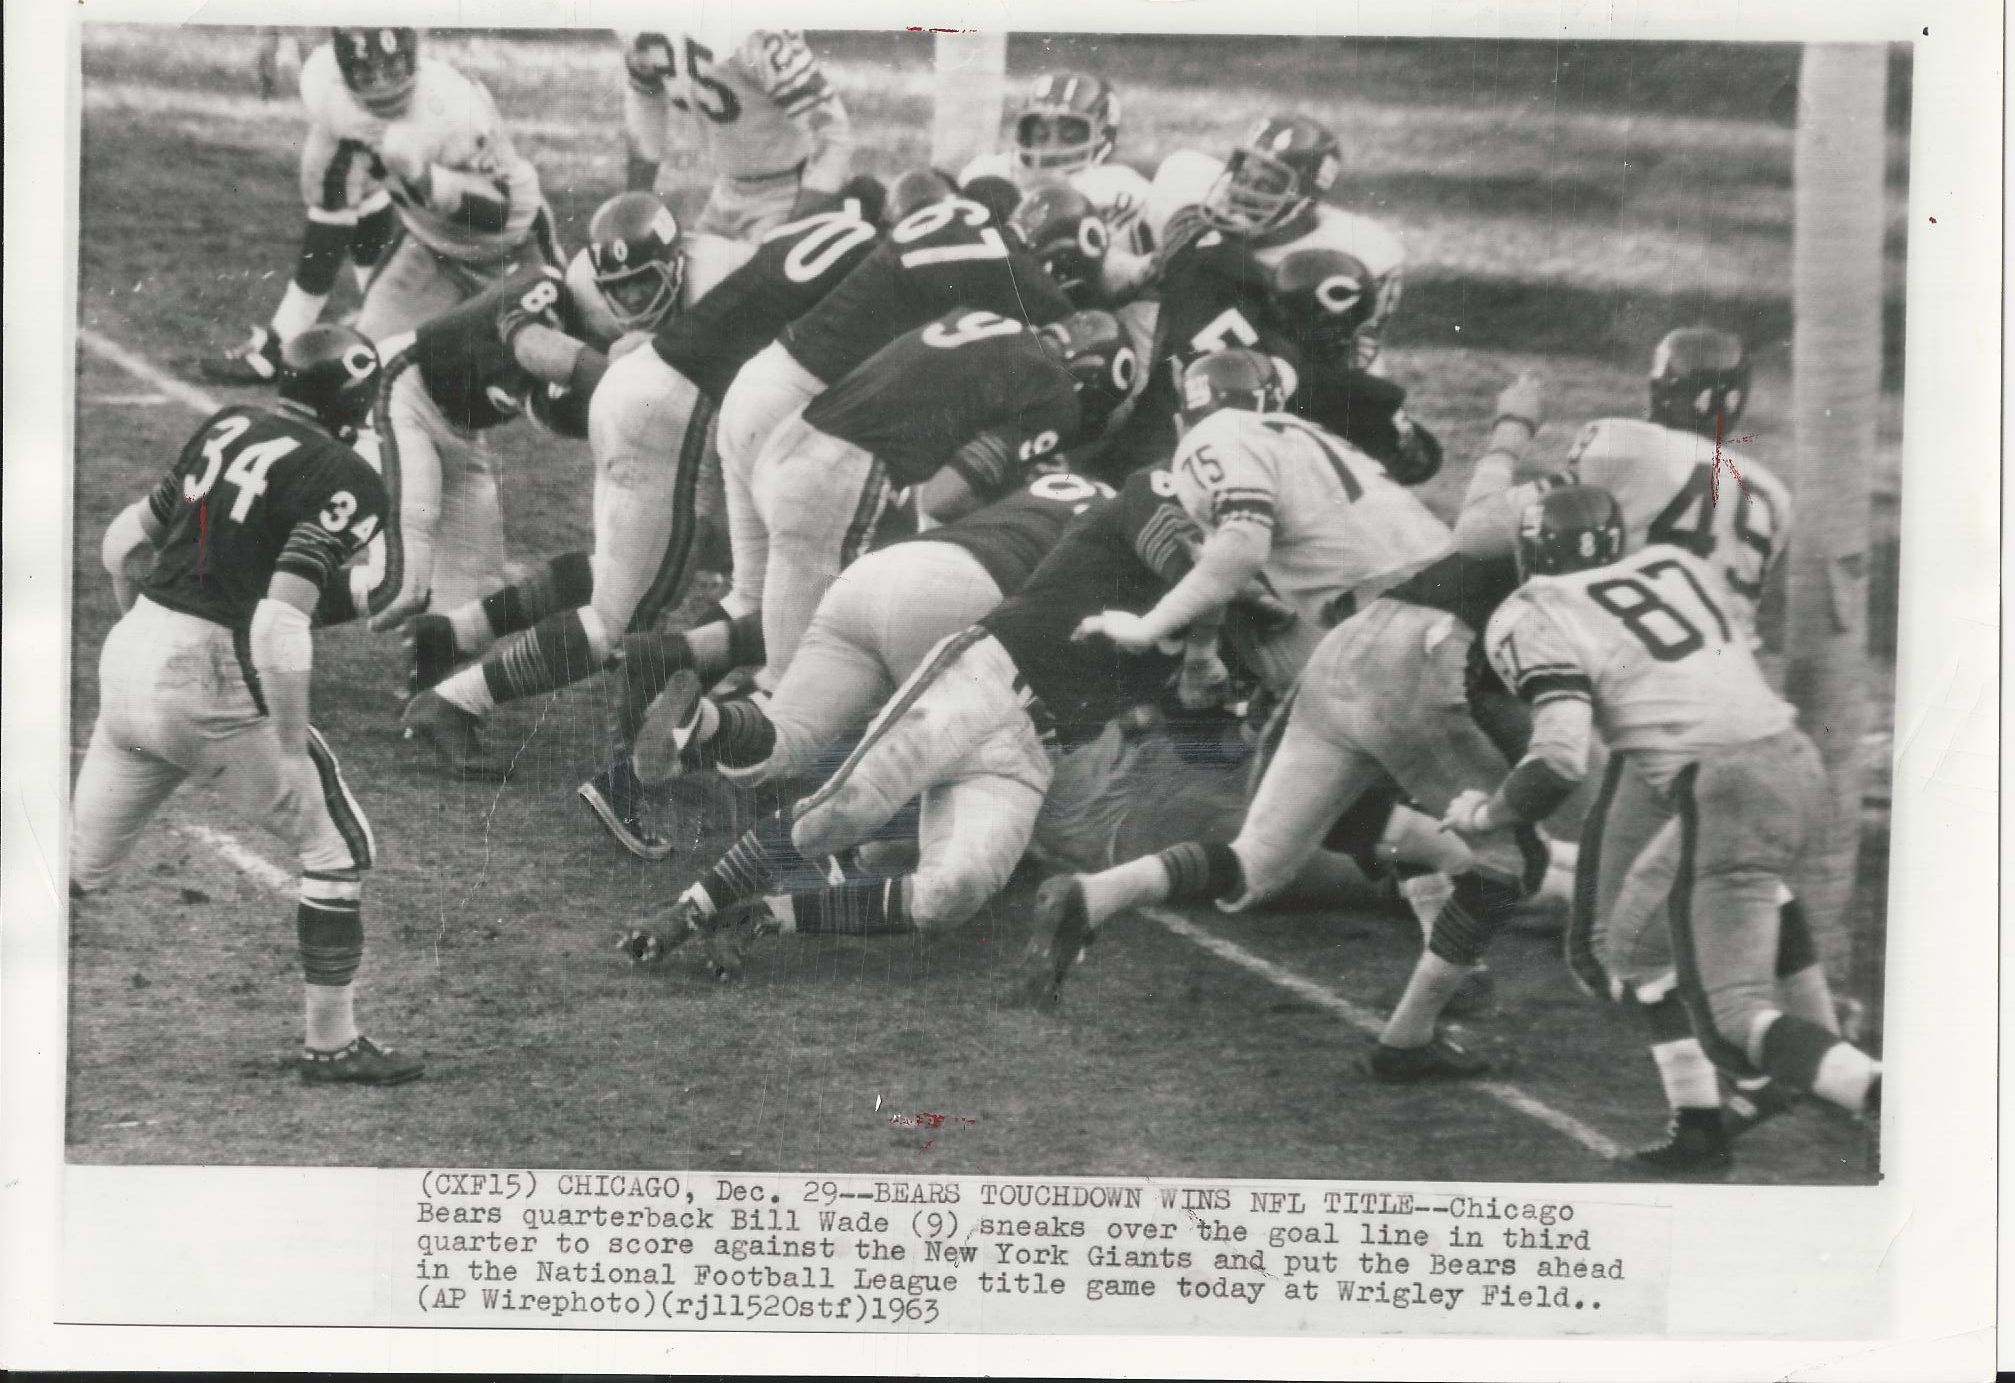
(279, 880)
(1367, 1021)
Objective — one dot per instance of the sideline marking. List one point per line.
(1365, 1020)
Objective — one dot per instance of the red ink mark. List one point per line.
(1714, 476)
(202, 532)
(919, 29)
(1934, 220)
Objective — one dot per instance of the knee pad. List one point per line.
(946, 898)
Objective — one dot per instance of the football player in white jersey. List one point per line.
(776, 134)
(1285, 502)
(1067, 129)
(1681, 474)
(406, 170)
(1642, 650)
(641, 430)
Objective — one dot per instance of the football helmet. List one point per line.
(1069, 121)
(332, 372)
(638, 262)
(999, 196)
(911, 192)
(379, 66)
(1059, 226)
(1286, 162)
(1326, 298)
(1699, 379)
(1095, 347)
(1232, 378)
(1571, 528)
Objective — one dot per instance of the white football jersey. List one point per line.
(1339, 525)
(1118, 193)
(1649, 641)
(1675, 486)
(451, 124)
(742, 93)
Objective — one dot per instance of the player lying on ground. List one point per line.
(1669, 475)
(207, 673)
(1642, 650)
(646, 427)
(870, 633)
(536, 342)
(971, 733)
(776, 134)
(408, 172)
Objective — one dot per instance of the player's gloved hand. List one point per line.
(1204, 685)
(1469, 814)
(1128, 632)
(1523, 400)
(813, 200)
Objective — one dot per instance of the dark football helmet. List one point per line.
(1699, 379)
(332, 372)
(1232, 378)
(638, 262)
(1059, 226)
(1286, 162)
(868, 196)
(380, 66)
(1325, 298)
(999, 196)
(915, 190)
(1571, 528)
(1103, 365)
(1068, 121)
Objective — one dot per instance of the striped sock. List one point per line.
(750, 865)
(744, 736)
(864, 907)
(329, 926)
(554, 653)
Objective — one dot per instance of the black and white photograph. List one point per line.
(1035, 617)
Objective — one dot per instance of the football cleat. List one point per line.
(450, 732)
(659, 754)
(1691, 1149)
(649, 947)
(729, 933)
(362, 1062)
(1058, 941)
(433, 651)
(619, 802)
(255, 361)
(1743, 1109)
(1440, 1059)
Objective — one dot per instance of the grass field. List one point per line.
(1560, 211)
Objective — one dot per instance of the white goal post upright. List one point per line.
(970, 93)
(1836, 363)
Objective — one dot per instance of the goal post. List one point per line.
(969, 93)
(1836, 362)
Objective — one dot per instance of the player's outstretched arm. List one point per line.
(646, 108)
(134, 533)
(1487, 524)
(283, 654)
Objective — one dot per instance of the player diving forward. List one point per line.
(648, 426)
(207, 673)
(535, 342)
(777, 134)
(407, 171)
(969, 732)
(1644, 651)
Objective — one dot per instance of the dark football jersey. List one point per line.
(470, 373)
(1011, 536)
(1121, 554)
(795, 266)
(948, 255)
(255, 491)
(930, 391)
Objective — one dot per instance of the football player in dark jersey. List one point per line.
(1001, 396)
(207, 673)
(970, 732)
(871, 631)
(650, 426)
(951, 253)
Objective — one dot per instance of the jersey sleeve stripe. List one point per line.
(1539, 688)
(312, 552)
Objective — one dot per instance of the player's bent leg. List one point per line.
(469, 537)
(117, 792)
(441, 642)
(411, 288)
